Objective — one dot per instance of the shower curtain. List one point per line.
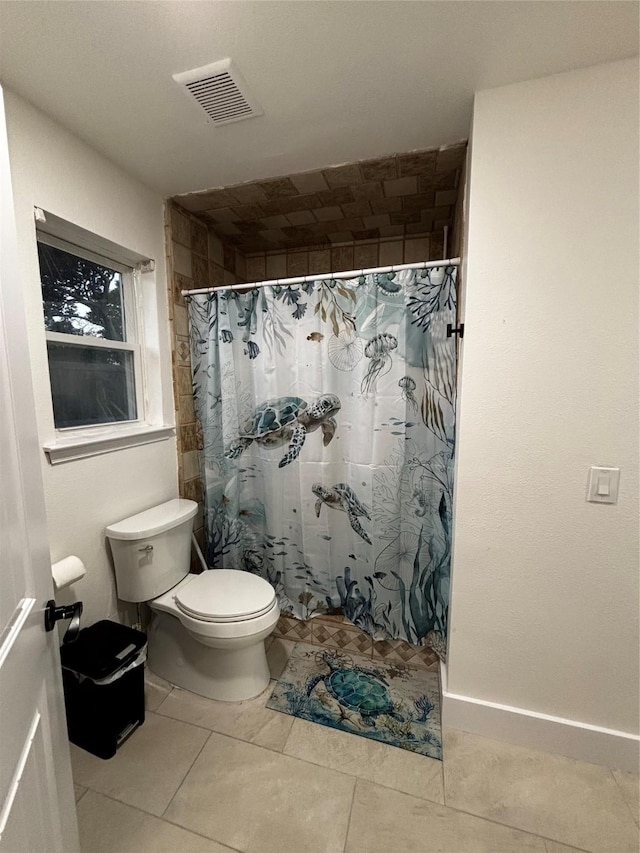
(327, 412)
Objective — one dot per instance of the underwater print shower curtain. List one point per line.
(327, 412)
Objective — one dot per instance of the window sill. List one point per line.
(72, 448)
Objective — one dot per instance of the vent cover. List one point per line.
(221, 92)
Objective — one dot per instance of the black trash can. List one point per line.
(103, 677)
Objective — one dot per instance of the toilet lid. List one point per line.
(226, 595)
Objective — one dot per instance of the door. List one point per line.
(37, 810)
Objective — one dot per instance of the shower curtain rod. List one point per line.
(300, 279)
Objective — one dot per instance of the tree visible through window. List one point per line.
(79, 296)
(89, 319)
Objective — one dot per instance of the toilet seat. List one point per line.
(206, 630)
(225, 595)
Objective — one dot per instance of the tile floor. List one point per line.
(209, 777)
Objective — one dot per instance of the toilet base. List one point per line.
(229, 674)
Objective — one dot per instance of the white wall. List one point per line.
(56, 171)
(545, 585)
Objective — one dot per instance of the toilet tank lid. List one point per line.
(153, 521)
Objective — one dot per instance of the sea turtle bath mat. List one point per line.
(391, 703)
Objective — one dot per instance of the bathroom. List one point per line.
(541, 670)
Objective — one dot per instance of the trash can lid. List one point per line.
(102, 649)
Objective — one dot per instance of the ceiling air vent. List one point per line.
(221, 92)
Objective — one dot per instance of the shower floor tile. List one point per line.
(340, 635)
(335, 631)
(402, 652)
(293, 629)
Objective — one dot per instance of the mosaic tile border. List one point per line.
(337, 632)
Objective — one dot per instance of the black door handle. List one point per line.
(53, 614)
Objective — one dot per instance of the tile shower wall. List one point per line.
(394, 196)
(458, 230)
(195, 258)
(414, 232)
(360, 254)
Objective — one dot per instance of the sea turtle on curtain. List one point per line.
(355, 688)
(287, 420)
(342, 497)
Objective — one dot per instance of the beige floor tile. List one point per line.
(278, 655)
(260, 801)
(385, 821)
(78, 791)
(629, 784)
(248, 720)
(568, 801)
(367, 759)
(156, 690)
(556, 847)
(148, 769)
(109, 827)
(274, 734)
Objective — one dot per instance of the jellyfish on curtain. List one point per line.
(378, 350)
(407, 386)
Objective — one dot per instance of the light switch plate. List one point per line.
(602, 486)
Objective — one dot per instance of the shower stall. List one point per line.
(327, 413)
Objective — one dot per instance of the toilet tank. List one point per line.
(152, 550)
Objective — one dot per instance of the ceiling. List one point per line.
(338, 81)
(396, 196)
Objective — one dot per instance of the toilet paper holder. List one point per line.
(53, 614)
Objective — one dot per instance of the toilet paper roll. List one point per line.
(67, 571)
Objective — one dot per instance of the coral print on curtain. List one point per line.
(328, 414)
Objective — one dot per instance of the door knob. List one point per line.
(53, 614)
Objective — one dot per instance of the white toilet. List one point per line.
(208, 631)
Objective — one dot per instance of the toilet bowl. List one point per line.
(217, 651)
(207, 631)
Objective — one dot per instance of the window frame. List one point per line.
(73, 443)
(132, 326)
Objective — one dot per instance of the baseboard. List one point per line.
(573, 739)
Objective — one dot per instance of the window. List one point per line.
(92, 340)
(107, 348)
